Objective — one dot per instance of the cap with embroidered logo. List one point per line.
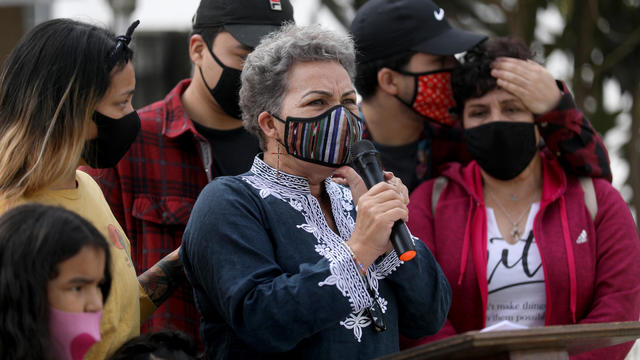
(246, 20)
(383, 28)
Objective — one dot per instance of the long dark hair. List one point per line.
(49, 88)
(34, 239)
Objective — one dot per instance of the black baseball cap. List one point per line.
(246, 20)
(383, 28)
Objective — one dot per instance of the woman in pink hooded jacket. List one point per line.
(512, 231)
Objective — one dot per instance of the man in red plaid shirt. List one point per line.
(404, 77)
(187, 139)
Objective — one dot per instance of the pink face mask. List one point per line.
(73, 333)
(433, 96)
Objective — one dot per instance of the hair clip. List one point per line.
(127, 37)
(122, 42)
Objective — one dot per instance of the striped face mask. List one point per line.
(324, 139)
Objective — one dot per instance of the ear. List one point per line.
(268, 125)
(388, 81)
(197, 47)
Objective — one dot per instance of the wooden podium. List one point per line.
(549, 342)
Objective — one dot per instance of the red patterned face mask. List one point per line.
(433, 96)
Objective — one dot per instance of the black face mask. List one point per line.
(503, 148)
(115, 136)
(227, 90)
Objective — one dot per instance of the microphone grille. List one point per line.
(360, 147)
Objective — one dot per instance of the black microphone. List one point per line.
(365, 159)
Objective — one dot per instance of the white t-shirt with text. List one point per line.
(515, 276)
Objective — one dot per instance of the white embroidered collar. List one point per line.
(292, 182)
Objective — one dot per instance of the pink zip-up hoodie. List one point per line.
(597, 280)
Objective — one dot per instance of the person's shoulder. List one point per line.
(601, 184)
(606, 193)
(225, 196)
(85, 181)
(88, 187)
(96, 174)
(449, 172)
(224, 187)
(161, 123)
(424, 188)
(601, 198)
(152, 115)
(602, 187)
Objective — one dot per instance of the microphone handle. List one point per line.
(399, 236)
(368, 167)
(371, 178)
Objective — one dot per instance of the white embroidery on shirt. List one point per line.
(344, 274)
(357, 322)
(582, 238)
(383, 304)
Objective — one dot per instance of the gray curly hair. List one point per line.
(264, 74)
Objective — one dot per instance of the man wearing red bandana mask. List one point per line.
(405, 56)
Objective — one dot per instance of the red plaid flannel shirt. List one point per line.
(152, 191)
(565, 130)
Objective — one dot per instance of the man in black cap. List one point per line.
(187, 139)
(404, 62)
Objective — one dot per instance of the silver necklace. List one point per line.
(515, 225)
(515, 197)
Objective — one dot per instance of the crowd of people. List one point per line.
(224, 221)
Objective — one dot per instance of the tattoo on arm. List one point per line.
(161, 279)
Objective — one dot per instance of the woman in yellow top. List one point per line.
(65, 97)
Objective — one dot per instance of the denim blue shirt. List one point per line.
(271, 279)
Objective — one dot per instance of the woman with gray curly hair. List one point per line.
(279, 261)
